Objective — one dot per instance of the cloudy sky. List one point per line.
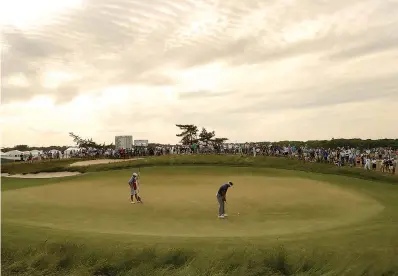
(251, 70)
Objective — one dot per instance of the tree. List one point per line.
(219, 141)
(88, 143)
(77, 139)
(205, 136)
(82, 143)
(22, 147)
(189, 134)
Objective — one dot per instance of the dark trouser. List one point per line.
(220, 204)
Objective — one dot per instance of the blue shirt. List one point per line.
(223, 189)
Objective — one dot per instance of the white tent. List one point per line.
(12, 155)
(69, 151)
(36, 152)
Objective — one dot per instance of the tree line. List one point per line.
(30, 148)
(339, 143)
(190, 134)
(78, 140)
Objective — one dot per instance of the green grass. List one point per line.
(17, 183)
(36, 167)
(208, 160)
(291, 222)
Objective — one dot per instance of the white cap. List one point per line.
(134, 174)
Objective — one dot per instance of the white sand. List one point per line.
(100, 161)
(41, 175)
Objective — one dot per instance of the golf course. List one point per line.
(285, 217)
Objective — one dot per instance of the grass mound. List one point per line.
(37, 167)
(203, 160)
(180, 202)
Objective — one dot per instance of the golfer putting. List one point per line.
(133, 183)
(222, 198)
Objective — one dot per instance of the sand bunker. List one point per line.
(41, 175)
(100, 161)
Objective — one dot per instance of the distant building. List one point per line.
(142, 143)
(124, 142)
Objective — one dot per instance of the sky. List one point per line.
(250, 70)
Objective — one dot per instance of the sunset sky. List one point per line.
(250, 70)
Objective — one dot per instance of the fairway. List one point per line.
(183, 203)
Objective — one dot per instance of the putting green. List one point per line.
(184, 204)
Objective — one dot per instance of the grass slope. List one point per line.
(180, 202)
(36, 167)
(208, 160)
(364, 247)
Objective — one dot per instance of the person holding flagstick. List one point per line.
(133, 183)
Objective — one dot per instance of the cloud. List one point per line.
(202, 94)
(325, 95)
(372, 42)
(221, 64)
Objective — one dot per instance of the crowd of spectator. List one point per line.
(383, 159)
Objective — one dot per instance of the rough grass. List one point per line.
(37, 166)
(73, 259)
(69, 258)
(368, 247)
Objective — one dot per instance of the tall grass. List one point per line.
(74, 259)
